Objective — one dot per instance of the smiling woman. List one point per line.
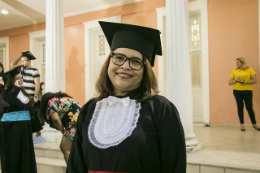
(17, 123)
(128, 128)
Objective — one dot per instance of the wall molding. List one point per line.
(102, 7)
(5, 41)
(202, 6)
(35, 38)
(89, 29)
(195, 6)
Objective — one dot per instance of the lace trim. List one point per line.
(92, 125)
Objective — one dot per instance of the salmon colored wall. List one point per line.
(22, 30)
(233, 32)
(142, 13)
(17, 44)
(74, 62)
(146, 19)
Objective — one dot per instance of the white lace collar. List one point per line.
(114, 120)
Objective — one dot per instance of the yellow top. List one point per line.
(245, 75)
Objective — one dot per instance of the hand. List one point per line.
(35, 98)
(18, 83)
(38, 133)
(239, 79)
(2, 82)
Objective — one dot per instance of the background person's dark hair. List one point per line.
(10, 84)
(147, 89)
(44, 101)
(3, 71)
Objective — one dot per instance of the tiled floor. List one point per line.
(227, 147)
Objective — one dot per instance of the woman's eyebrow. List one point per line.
(133, 57)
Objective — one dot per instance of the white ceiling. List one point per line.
(27, 12)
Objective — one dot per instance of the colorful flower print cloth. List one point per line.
(68, 110)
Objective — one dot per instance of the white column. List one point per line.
(178, 66)
(55, 60)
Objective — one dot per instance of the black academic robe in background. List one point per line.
(156, 145)
(16, 145)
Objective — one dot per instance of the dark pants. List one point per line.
(247, 96)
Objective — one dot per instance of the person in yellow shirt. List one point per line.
(242, 78)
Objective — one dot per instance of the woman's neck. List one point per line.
(120, 93)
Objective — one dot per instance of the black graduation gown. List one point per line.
(156, 145)
(16, 145)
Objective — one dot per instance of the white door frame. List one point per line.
(35, 38)
(259, 35)
(202, 6)
(162, 67)
(5, 40)
(89, 29)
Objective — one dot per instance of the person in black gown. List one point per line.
(2, 81)
(128, 128)
(17, 123)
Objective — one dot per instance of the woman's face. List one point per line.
(239, 64)
(123, 78)
(20, 78)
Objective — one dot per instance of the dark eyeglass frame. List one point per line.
(126, 58)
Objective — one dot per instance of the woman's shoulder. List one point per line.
(89, 103)
(235, 70)
(250, 68)
(159, 100)
(53, 101)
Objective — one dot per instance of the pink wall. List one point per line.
(75, 62)
(17, 44)
(233, 32)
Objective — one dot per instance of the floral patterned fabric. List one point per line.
(68, 110)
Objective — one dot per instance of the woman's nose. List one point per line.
(126, 65)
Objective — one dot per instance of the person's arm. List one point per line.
(15, 62)
(37, 89)
(252, 81)
(57, 122)
(11, 95)
(171, 138)
(232, 81)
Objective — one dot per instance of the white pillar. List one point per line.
(55, 61)
(178, 66)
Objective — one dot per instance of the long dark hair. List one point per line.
(10, 84)
(3, 71)
(147, 89)
(45, 99)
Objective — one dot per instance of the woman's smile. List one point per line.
(124, 75)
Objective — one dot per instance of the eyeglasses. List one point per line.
(24, 61)
(134, 63)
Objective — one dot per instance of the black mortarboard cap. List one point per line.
(142, 39)
(28, 54)
(14, 71)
